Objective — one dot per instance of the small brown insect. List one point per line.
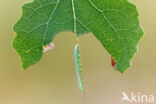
(113, 63)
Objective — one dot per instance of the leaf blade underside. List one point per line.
(115, 23)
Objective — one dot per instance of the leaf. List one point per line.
(114, 23)
(78, 67)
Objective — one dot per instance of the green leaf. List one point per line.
(78, 67)
(114, 23)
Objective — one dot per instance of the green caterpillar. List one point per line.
(78, 67)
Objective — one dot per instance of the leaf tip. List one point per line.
(120, 67)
